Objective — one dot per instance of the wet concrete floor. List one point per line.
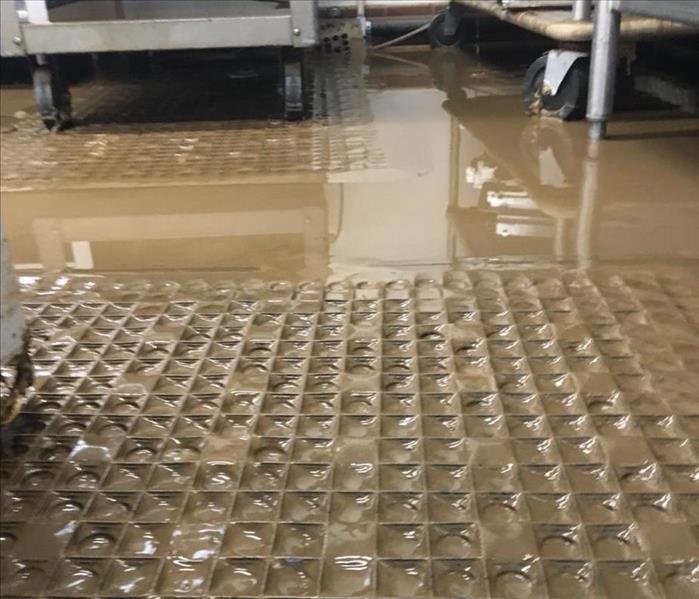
(447, 351)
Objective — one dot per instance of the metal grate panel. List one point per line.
(173, 129)
(490, 434)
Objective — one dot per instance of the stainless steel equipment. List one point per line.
(43, 28)
(556, 83)
(605, 49)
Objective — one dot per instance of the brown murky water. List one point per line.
(426, 347)
(398, 173)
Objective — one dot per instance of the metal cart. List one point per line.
(42, 29)
(556, 83)
(605, 49)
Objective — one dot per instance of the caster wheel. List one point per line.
(52, 98)
(293, 87)
(440, 36)
(568, 103)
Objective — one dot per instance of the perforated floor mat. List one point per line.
(494, 434)
(145, 132)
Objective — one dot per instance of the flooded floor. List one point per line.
(418, 345)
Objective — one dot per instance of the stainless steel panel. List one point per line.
(686, 11)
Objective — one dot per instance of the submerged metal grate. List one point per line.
(493, 434)
(144, 133)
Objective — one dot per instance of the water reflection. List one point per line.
(467, 175)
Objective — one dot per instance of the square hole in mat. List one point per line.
(59, 507)
(552, 507)
(400, 450)
(218, 476)
(454, 540)
(248, 539)
(402, 507)
(309, 477)
(145, 540)
(515, 578)
(111, 506)
(78, 576)
(615, 541)
(127, 477)
(446, 451)
(399, 404)
(130, 577)
(256, 506)
(172, 476)
(305, 507)
(353, 508)
(25, 578)
(402, 540)
(320, 403)
(504, 478)
(196, 542)
(293, 577)
(347, 576)
(451, 507)
(41, 476)
(263, 477)
(571, 578)
(401, 477)
(207, 506)
(543, 478)
(635, 578)
(403, 578)
(313, 450)
(562, 541)
(459, 578)
(298, 540)
(236, 577)
(160, 507)
(448, 478)
(95, 540)
(181, 576)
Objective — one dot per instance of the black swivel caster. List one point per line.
(293, 85)
(446, 29)
(569, 101)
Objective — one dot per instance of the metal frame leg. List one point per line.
(452, 20)
(603, 63)
(584, 235)
(582, 10)
(304, 22)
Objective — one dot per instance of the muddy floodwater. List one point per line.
(418, 344)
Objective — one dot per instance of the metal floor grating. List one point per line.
(492, 434)
(144, 133)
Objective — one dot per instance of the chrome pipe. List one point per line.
(603, 65)
(582, 9)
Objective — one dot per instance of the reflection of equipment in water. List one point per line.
(525, 177)
(16, 375)
(549, 154)
(516, 213)
(539, 155)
